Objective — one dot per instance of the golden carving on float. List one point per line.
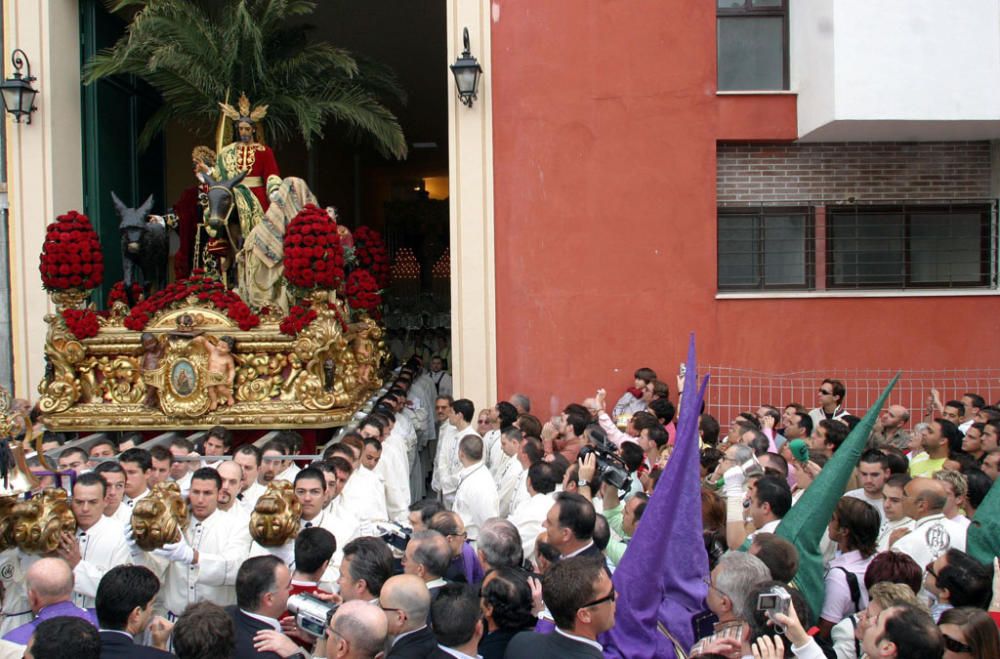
(166, 376)
(160, 517)
(275, 518)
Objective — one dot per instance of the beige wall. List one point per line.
(44, 164)
(473, 291)
(46, 179)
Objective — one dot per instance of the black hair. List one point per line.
(709, 427)
(66, 637)
(542, 477)
(371, 560)
(427, 509)
(952, 435)
(221, 432)
(207, 474)
(138, 456)
(663, 409)
(254, 579)
(577, 514)
(122, 589)
(313, 473)
(465, 407)
(632, 455)
(507, 413)
(979, 486)
(313, 547)
(969, 582)
(250, 449)
(92, 478)
(774, 492)
(454, 614)
(509, 594)
(658, 436)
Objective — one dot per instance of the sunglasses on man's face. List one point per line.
(955, 646)
(825, 392)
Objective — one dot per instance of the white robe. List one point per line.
(521, 494)
(491, 440)
(364, 496)
(449, 466)
(476, 499)
(528, 519)
(931, 536)
(508, 479)
(394, 468)
(222, 548)
(102, 547)
(15, 599)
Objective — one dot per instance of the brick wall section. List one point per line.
(867, 171)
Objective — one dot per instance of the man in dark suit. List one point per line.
(406, 602)
(124, 606)
(262, 587)
(570, 524)
(581, 598)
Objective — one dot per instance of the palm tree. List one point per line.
(196, 53)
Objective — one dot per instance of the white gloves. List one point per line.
(177, 552)
(735, 483)
(133, 548)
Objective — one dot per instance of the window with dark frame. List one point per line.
(752, 45)
(945, 246)
(867, 247)
(766, 248)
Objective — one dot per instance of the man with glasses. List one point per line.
(831, 402)
(581, 598)
(406, 603)
(729, 585)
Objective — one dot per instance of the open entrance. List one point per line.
(406, 201)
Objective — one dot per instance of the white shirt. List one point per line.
(456, 653)
(184, 482)
(122, 514)
(476, 499)
(250, 496)
(521, 494)
(102, 547)
(444, 437)
(289, 473)
(931, 536)
(364, 496)
(448, 466)
(528, 519)
(491, 439)
(888, 528)
(15, 599)
(129, 502)
(394, 468)
(442, 380)
(222, 548)
(580, 639)
(878, 504)
(508, 478)
(274, 624)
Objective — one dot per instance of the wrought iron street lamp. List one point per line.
(466, 70)
(18, 94)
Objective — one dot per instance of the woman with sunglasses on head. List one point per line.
(969, 633)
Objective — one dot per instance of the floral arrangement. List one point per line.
(371, 254)
(202, 287)
(314, 257)
(118, 293)
(300, 315)
(363, 293)
(71, 254)
(81, 322)
(298, 318)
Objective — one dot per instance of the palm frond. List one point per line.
(195, 51)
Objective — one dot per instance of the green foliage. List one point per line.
(196, 53)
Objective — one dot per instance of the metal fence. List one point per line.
(733, 390)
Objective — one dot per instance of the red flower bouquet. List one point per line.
(300, 315)
(314, 258)
(81, 322)
(118, 293)
(363, 293)
(371, 254)
(71, 255)
(205, 289)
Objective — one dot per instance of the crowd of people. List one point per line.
(436, 530)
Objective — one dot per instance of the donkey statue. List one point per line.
(145, 246)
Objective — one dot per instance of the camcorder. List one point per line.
(775, 600)
(395, 535)
(610, 467)
(312, 615)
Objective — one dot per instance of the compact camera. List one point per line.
(312, 615)
(773, 601)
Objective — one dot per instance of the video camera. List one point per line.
(775, 600)
(395, 535)
(312, 615)
(610, 466)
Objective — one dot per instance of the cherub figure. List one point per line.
(221, 371)
(152, 351)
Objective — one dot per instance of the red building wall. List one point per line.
(606, 123)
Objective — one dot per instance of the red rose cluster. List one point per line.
(370, 251)
(118, 294)
(314, 257)
(206, 289)
(363, 293)
(81, 322)
(299, 316)
(71, 254)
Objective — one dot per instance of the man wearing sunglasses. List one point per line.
(831, 402)
(581, 598)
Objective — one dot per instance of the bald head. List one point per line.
(927, 496)
(361, 624)
(51, 581)
(229, 469)
(409, 593)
